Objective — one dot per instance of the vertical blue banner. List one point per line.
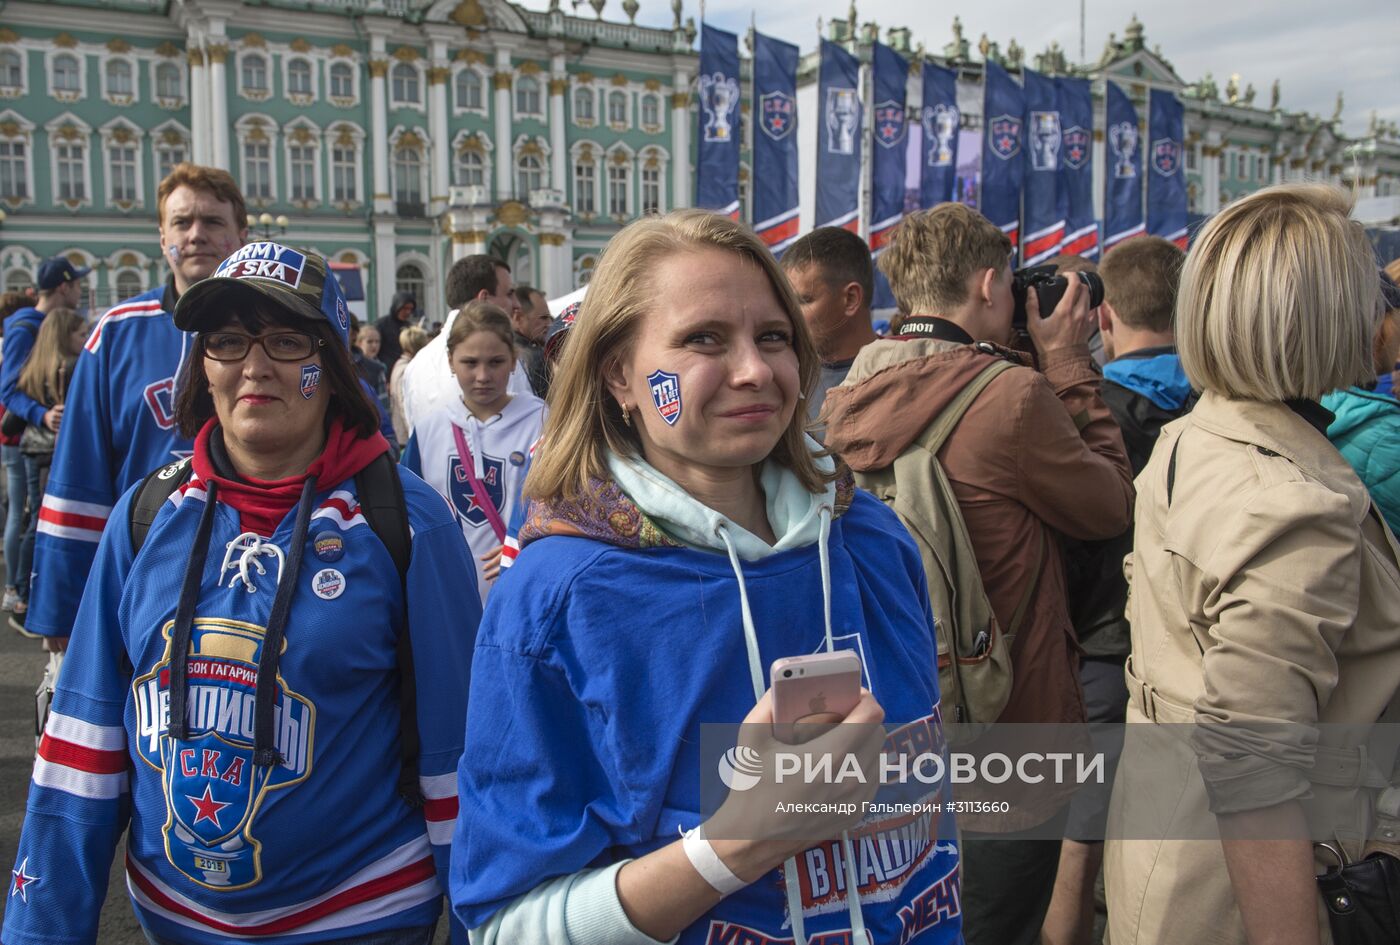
(1166, 177)
(1002, 166)
(1077, 167)
(838, 139)
(1044, 203)
(775, 142)
(1122, 210)
(941, 120)
(717, 168)
(889, 160)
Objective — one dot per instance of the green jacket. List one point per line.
(1367, 433)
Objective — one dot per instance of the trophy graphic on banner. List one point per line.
(1045, 140)
(719, 99)
(940, 125)
(1124, 139)
(842, 115)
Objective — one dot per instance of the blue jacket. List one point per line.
(21, 329)
(119, 426)
(316, 849)
(1367, 433)
(596, 667)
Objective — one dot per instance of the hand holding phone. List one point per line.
(812, 691)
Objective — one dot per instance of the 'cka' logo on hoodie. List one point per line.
(212, 788)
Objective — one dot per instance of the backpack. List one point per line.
(380, 494)
(974, 655)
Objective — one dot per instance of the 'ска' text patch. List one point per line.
(264, 261)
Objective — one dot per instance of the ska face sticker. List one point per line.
(666, 394)
(310, 380)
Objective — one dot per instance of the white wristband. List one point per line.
(707, 863)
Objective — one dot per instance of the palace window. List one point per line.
(406, 90)
(301, 163)
(119, 78)
(253, 73)
(408, 176)
(409, 278)
(168, 84)
(470, 90)
(70, 159)
(527, 96)
(585, 186)
(129, 283)
(651, 189)
(529, 175)
(168, 154)
(619, 185)
(299, 77)
(121, 173)
(257, 170)
(344, 173)
(617, 108)
(66, 77)
(11, 71)
(14, 169)
(342, 81)
(470, 169)
(651, 111)
(583, 106)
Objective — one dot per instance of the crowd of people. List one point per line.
(356, 618)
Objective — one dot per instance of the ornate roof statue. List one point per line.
(851, 18)
(1132, 36)
(1274, 97)
(630, 7)
(676, 12)
(1207, 88)
(1232, 89)
(1014, 53)
(1110, 48)
(597, 6)
(984, 46)
(1337, 112)
(1249, 94)
(957, 30)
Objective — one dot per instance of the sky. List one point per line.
(1354, 49)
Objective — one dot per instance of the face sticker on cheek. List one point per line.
(310, 380)
(666, 395)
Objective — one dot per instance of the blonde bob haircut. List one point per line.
(585, 420)
(1279, 298)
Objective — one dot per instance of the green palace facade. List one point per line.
(396, 136)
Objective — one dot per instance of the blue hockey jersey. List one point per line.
(118, 426)
(318, 848)
(597, 663)
(21, 331)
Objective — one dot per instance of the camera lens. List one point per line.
(787, 674)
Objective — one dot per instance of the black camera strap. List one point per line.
(931, 326)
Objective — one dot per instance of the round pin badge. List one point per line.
(328, 584)
(517, 458)
(329, 546)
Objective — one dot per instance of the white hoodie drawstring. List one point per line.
(249, 546)
(790, 877)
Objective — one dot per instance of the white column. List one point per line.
(379, 129)
(682, 194)
(384, 267)
(558, 139)
(549, 264)
(218, 96)
(504, 158)
(199, 104)
(437, 125)
(1210, 172)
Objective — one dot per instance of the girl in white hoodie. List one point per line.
(473, 451)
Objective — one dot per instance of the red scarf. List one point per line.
(263, 503)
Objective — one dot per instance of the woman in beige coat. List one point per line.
(1265, 602)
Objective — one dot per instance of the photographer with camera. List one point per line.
(1035, 454)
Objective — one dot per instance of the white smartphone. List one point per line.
(823, 687)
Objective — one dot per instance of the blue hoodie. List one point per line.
(1366, 432)
(608, 645)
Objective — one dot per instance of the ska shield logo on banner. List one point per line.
(1166, 156)
(1045, 141)
(777, 115)
(1076, 147)
(889, 124)
(941, 126)
(842, 116)
(464, 500)
(719, 100)
(269, 261)
(1123, 138)
(1004, 136)
(666, 394)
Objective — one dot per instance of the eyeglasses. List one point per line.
(278, 345)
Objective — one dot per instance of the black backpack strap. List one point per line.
(151, 497)
(380, 493)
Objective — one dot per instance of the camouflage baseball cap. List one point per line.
(297, 280)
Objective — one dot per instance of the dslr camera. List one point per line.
(1049, 289)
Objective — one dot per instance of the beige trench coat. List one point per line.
(1269, 590)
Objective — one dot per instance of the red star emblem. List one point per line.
(22, 881)
(206, 808)
(778, 122)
